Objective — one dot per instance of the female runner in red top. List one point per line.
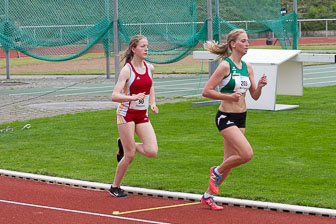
(134, 91)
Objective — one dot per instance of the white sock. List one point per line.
(217, 172)
(206, 195)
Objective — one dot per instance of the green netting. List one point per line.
(54, 30)
(170, 26)
(259, 18)
(57, 30)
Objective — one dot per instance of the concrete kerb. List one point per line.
(174, 195)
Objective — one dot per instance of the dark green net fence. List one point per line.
(61, 30)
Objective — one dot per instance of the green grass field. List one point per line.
(294, 150)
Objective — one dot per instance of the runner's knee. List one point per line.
(151, 151)
(247, 155)
(129, 156)
(128, 159)
(152, 154)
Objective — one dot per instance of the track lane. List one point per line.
(75, 205)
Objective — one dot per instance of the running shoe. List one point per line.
(117, 192)
(211, 203)
(214, 180)
(120, 153)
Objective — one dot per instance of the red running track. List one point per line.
(303, 40)
(31, 202)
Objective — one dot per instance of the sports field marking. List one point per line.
(155, 208)
(81, 212)
(85, 90)
(309, 73)
(318, 83)
(322, 77)
(171, 86)
(317, 67)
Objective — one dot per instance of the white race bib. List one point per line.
(242, 83)
(140, 104)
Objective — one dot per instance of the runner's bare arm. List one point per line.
(117, 95)
(152, 99)
(209, 89)
(255, 90)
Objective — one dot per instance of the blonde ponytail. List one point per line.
(223, 50)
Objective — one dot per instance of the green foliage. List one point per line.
(313, 9)
(318, 12)
(308, 8)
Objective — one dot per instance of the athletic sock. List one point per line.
(206, 195)
(217, 172)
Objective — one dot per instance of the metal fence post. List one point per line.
(212, 64)
(116, 41)
(107, 50)
(7, 50)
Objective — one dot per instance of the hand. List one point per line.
(139, 96)
(262, 81)
(235, 96)
(154, 108)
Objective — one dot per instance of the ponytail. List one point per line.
(223, 50)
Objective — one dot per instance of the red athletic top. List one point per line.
(137, 83)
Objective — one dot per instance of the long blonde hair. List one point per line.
(128, 54)
(223, 50)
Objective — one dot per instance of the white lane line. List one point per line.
(81, 212)
(64, 94)
(324, 72)
(62, 90)
(158, 83)
(179, 84)
(315, 83)
(320, 77)
(109, 90)
(313, 68)
(175, 195)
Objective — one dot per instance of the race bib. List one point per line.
(242, 83)
(140, 104)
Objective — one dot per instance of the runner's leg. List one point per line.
(237, 151)
(148, 147)
(126, 133)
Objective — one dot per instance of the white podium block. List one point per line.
(284, 75)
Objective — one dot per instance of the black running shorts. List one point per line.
(225, 120)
